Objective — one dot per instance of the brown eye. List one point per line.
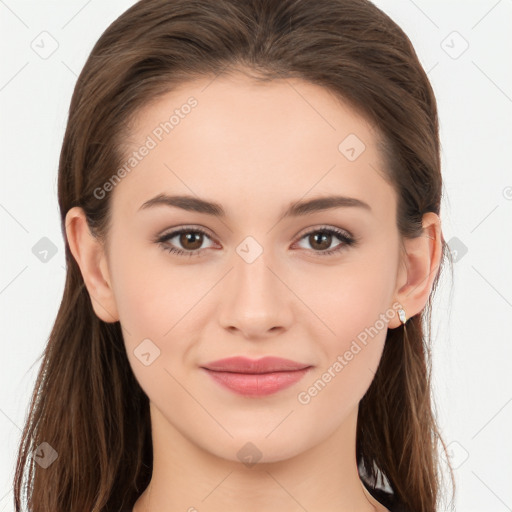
(187, 242)
(320, 241)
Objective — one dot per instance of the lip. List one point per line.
(256, 377)
(263, 365)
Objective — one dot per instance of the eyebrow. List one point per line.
(295, 209)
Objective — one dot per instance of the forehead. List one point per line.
(236, 140)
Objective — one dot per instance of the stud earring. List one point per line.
(401, 315)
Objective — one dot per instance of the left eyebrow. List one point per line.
(295, 209)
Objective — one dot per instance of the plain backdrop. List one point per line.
(465, 46)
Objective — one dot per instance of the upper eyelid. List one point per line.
(176, 231)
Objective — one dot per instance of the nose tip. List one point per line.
(255, 301)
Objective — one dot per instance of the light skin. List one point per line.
(254, 149)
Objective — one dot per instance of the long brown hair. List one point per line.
(87, 408)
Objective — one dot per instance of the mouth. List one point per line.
(258, 377)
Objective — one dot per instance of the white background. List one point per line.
(472, 341)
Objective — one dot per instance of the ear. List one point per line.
(90, 256)
(418, 269)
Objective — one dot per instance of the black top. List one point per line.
(389, 500)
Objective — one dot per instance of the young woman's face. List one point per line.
(253, 282)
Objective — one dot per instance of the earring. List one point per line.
(401, 315)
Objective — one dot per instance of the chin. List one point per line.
(255, 449)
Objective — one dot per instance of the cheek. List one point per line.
(149, 293)
(354, 306)
(152, 303)
(157, 301)
(350, 297)
(350, 359)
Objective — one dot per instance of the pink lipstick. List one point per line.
(256, 377)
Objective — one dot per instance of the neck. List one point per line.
(186, 477)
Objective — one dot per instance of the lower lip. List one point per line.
(257, 384)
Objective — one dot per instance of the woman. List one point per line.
(250, 197)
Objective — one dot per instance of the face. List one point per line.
(315, 286)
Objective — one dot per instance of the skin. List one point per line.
(254, 148)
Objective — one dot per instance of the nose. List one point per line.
(256, 302)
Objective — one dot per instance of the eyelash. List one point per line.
(347, 240)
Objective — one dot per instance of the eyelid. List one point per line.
(323, 227)
(178, 229)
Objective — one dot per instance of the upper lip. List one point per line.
(245, 365)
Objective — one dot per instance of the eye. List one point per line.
(191, 239)
(322, 238)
